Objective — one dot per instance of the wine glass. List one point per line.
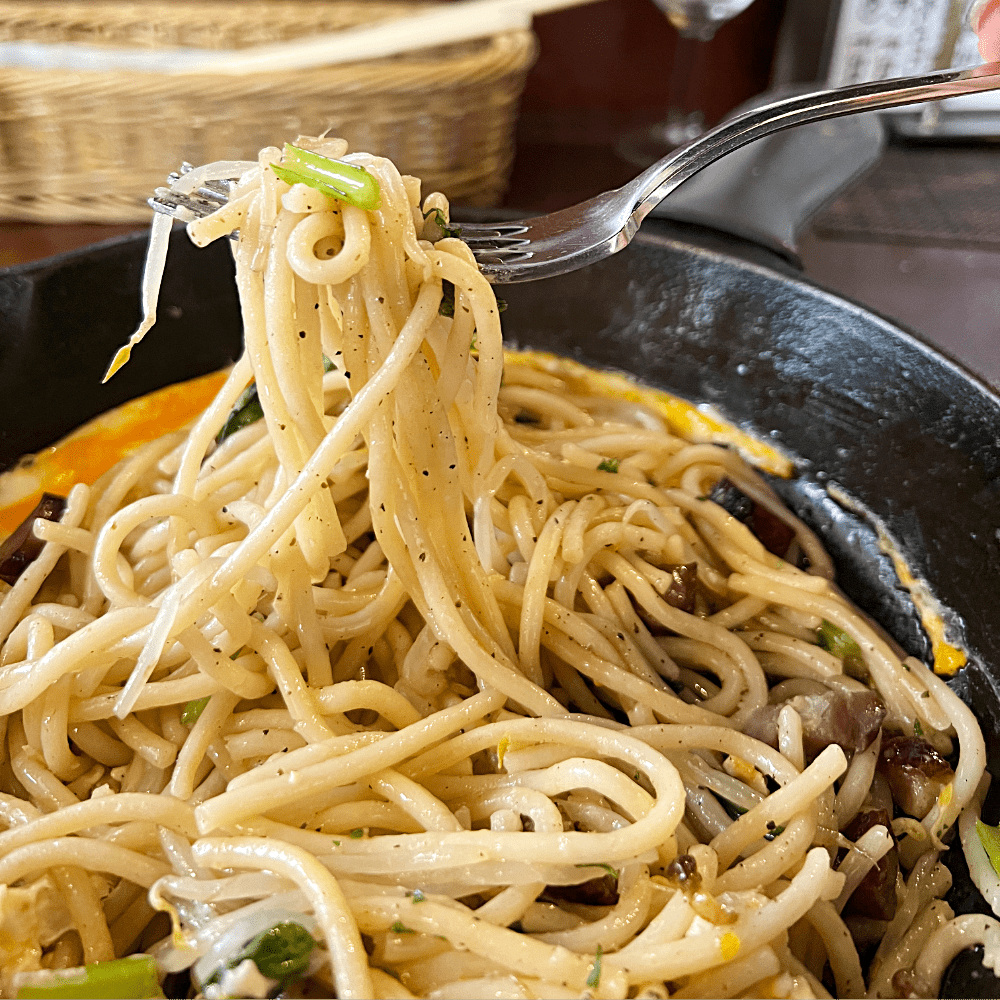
(696, 22)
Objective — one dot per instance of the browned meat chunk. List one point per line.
(848, 718)
(916, 773)
(773, 533)
(601, 891)
(682, 590)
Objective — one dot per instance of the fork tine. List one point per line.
(492, 230)
(501, 255)
(486, 244)
(192, 202)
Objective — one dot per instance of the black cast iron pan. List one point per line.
(858, 402)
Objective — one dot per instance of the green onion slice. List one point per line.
(989, 837)
(134, 976)
(340, 180)
(836, 641)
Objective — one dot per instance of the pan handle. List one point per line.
(767, 191)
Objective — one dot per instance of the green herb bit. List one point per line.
(400, 928)
(989, 837)
(594, 979)
(918, 730)
(418, 896)
(344, 181)
(835, 640)
(447, 307)
(134, 976)
(246, 411)
(280, 953)
(472, 344)
(609, 465)
(442, 222)
(732, 808)
(328, 365)
(193, 709)
(357, 833)
(501, 305)
(600, 864)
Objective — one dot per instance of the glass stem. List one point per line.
(684, 115)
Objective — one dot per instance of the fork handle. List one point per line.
(656, 182)
(767, 191)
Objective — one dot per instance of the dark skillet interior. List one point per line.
(859, 403)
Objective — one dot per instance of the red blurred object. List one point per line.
(603, 70)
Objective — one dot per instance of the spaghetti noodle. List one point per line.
(484, 682)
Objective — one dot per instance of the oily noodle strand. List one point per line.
(446, 658)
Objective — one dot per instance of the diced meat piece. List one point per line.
(875, 896)
(681, 592)
(850, 719)
(773, 533)
(22, 548)
(601, 891)
(916, 773)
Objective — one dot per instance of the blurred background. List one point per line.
(528, 120)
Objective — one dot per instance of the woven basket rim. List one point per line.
(456, 59)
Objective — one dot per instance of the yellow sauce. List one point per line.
(695, 423)
(89, 451)
(947, 657)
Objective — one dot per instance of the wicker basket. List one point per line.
(92, 146)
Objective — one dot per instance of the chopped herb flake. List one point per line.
(600, 864)
(594, 979)
(442, 223)
(918, 730)
(357, 833)
(400, 928)
(193, 709)
(447, 306)
(609, 465)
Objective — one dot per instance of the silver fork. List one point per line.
(573, 237)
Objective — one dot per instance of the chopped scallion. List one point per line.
(281, 953)
(246, 411)
(835, 640)
(134, 976)
(989, 837)
(344, 181)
